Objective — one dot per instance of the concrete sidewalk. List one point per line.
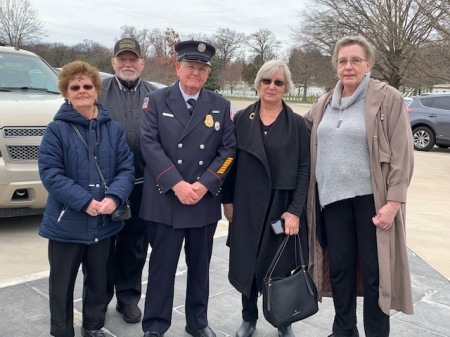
(24, 307)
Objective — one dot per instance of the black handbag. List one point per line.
(289, 299)
(121, 213)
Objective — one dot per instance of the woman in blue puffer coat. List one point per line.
(77, 219)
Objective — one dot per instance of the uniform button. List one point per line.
(180, 161)
(198, 178)
(200, 162)
(202, 146)
(180, 146)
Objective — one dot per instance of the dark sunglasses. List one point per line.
(76, 87)
(268, 81)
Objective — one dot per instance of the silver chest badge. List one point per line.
(217, 125)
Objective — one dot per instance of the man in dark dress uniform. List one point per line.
(188, 142)
(123, 95)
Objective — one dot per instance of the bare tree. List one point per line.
(309, 67)
(263, 45)
(232, 75)
(19, 23)
(94, 53)
(227, 42)
(142, 36)
(398, 29)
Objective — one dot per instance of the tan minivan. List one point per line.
(29, 98)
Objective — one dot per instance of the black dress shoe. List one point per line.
(285, 331)
(153, 334)
(91, 333)
(205, 332)
(246, 329)
(130, 312)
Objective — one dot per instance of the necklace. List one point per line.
(341, 114)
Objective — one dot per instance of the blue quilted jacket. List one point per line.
(68, 172)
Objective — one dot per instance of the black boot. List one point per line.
(246, 329)
(285, 331)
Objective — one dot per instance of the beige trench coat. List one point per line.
(390, 143)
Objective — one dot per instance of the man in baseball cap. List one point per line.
(127, 44)
(123, 94)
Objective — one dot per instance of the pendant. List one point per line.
(339, 123)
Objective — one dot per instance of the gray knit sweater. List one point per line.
(343, 169)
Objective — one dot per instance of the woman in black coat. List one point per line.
(268, 181)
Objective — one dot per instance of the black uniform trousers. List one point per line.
(127, 256)
(65, 259)
(166, 243)
(351, 236)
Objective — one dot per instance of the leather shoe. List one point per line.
(285, 331)
(205, 332)
(91, 333)
(130, 312)
(153, 334)
(246, 329)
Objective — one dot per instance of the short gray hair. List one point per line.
(271, 67)
(352, 40)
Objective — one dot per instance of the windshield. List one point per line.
(26, 72)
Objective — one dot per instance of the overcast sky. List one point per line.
(70, 22)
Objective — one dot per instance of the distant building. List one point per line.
(441, 88)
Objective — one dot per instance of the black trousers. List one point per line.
(166, 243)
(127, 256)
(250, 304)
(65, 259)
(351, 238)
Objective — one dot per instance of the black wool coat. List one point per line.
(260, 196)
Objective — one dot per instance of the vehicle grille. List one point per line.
(23, 132)
(23, 152)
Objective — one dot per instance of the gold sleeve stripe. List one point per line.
(225, 165)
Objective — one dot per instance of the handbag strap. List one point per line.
(102, 178)
(280, 251)
(277, 256)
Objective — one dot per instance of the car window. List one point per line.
(444, 103)
(431, 102)
(26, 71)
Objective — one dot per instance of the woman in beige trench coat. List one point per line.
(361, 167)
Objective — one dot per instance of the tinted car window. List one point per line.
(431, 102)
(444, 103)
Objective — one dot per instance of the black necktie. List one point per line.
(192, 103)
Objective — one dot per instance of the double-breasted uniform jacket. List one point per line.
(177, 146)
(390, 144)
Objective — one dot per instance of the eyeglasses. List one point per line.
(356, 61)
(191, 68)
(76, 87)
(268, 81)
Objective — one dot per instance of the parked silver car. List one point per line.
(429, 115)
